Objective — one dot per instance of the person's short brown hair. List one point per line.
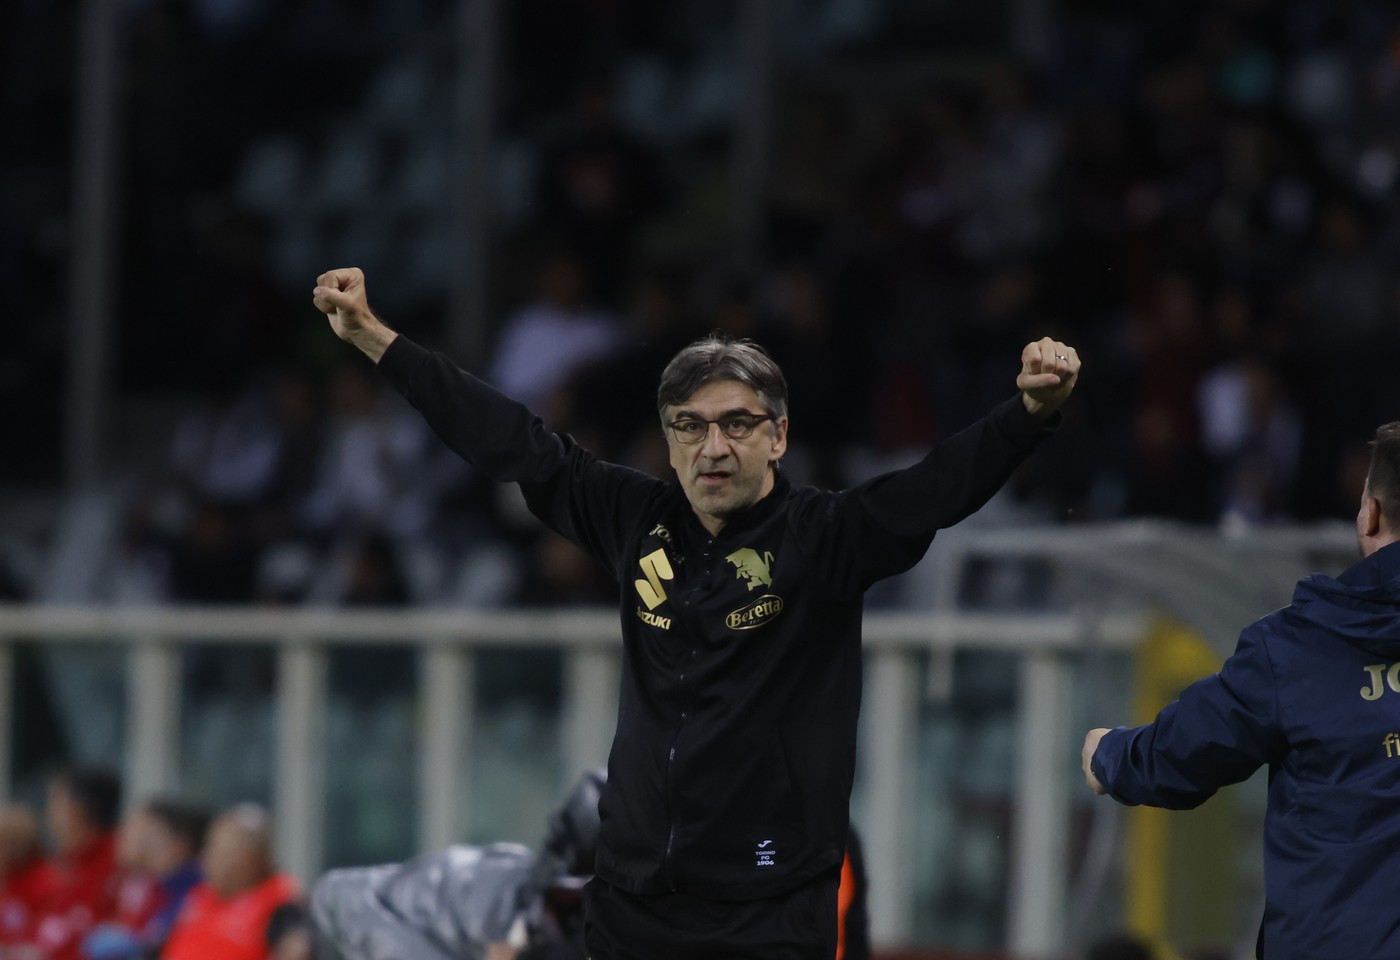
(188, 822)
(1383, 478)
(96, 791)
(718, 358)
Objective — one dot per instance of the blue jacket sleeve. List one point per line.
(1218, 732)
(573, 493)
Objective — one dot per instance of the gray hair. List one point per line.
(718, 358)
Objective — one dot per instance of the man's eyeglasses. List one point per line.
(735, 426)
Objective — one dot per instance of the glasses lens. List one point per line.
(689, 431)
(737, 428)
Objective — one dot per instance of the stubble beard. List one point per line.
(725, 502)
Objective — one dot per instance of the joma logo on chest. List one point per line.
(1379, 676)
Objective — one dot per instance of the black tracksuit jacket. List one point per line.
(730, 772)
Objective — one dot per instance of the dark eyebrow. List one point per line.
(736, 412)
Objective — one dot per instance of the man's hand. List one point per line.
(1086, 758)
(1049, 371)
(340, 295)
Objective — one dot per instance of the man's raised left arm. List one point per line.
(885, 525)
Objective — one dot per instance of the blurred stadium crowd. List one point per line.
(1200, 195)
(161, 882)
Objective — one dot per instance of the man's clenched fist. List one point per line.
(1049, 371)
(1086, 759)
(340, 295)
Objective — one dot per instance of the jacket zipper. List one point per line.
(668, 862)
(670, 825)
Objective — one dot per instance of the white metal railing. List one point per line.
(447, 641)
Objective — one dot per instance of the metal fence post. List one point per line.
(1035, 926)
(889, 728)
(448, 683)
(153, 718)
(299, 792)
(590, 709)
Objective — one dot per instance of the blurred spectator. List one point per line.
(1348, 290)
(295, 409)
(176, 841)
(1254, 436)
(215, 560)
(547, 340)
(614, 395)
(159, 844)
(374, 471)
(227, 916)
(228, 451)
(137, 894)
(240, 470)
(27, 880)
(1167, 476)
(376, 578)
(372, 573)
(82, 818)
(1004, 213)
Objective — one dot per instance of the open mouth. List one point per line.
(714, 476)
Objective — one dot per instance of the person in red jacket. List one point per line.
(138, 894)
(226, 917)
(82, 817)
(27, 881)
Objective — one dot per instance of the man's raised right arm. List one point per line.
(492, 432)
(582, 498)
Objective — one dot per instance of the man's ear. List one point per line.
(1371, 517)
(779, 447)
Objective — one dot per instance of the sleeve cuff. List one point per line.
(1102, 773)
(401, 362)
(1018, 426)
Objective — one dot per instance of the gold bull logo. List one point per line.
(748, 563)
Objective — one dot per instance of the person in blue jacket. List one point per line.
(1313, 691)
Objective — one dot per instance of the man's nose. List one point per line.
(716, 443)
